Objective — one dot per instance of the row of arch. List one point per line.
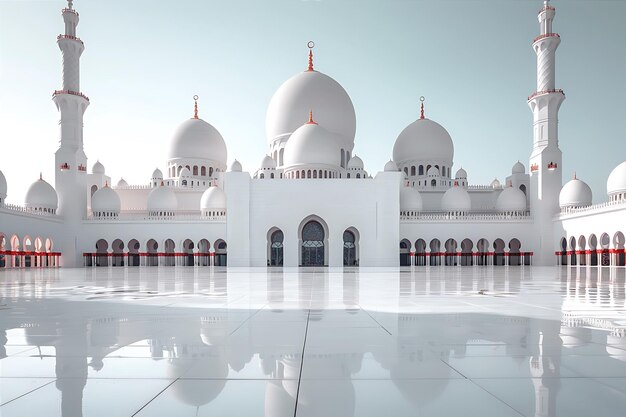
(423, 170)
(153, 253)
(313, 241)
(593, 251)
(26, 252)
(202, 171)
(452, 253)
(315, 173)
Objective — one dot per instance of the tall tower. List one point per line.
(70, 158)
(545, 159)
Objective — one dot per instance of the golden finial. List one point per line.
(422, 99)
(310, 45)
(40, 176)
(311, 121)
(195, 106)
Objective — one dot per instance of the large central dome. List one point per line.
(424, 140)
(310, 90)
(196, 139)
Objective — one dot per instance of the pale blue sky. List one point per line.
(473, 61)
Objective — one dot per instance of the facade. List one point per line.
(311, 202)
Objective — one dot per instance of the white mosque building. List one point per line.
(312, 202)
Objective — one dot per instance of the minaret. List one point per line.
(545, 160)
(70, 158)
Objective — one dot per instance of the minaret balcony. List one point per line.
(66, 10)
(70, 37)
(540, 93)
(534, 168)
(82, 168)
(70, 92)
(546, 35)
(64, 167)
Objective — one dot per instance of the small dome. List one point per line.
(122, 183)
(496, 183)
(162, 198)
(268, 163)
(157, 174)
(456, 199)
(97, 168)
(196, 139)
(184, 173)
(106, 200)
(410, 199)
(41, 195)
(355, 163)
(461, 174)
(391, 166)
(213, 198)
(311, 144)
(511, 199)
(617, 180)
(433, 172)
(236, 166)
(305, 91)
(575, 193)
(518, 168)
(3, 186)
(424, 140)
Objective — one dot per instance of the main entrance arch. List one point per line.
(313, 239)
(350, 247)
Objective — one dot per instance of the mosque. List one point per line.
(311, 202)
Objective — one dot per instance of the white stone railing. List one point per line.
(22, 209)
(483, 187)
(484, 216)
(144, 216)
(594, 207)
(133, 187)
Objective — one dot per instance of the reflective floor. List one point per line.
(434, 341)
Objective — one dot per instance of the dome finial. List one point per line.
(195, 106)
(422, 98)
(310, 45)
(311, 121)
(575, 175)
(40, 176)
(70, 4)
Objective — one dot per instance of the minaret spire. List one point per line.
(545, 161)
(195, 106)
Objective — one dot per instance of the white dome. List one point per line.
(213, 199)
(236, 166)
(518, 168)
(355, 163)
(391, 166)
(410, 199)
(311, 144)
(184, 173)
(41, 195)
(496, 183)
(575, 193)
(511, 199)
(196, 139)
(97, 168)
(106, 200)
(268, 163)
(310, 90)
(122, 183)
(456, 199)
(617, 180)
(433, 172)
(157, 174)
(3, 185)
(461, 174)
(162, 198)
(424, 140)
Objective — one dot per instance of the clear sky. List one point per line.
(145, 59)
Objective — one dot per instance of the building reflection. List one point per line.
(207, 346)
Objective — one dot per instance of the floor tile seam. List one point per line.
(375, 321)
(306, 332)
(153, 398)
(26, 393)
(497, 398)
(247, 320)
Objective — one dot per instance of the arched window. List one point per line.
(180, 168)
(195, 170)
(359, 176)
(433, 183)
(348, 175)
(325, 174)
(413, 171)
(262, 175)
(280, 156)
(314, 174)
(421, 170)
(272, 175)
(523, 188)
(276, 248)
(343, 158)
(406, 170)
(298, 175)
(428, 168)
(349, 249)
(203, 171)
(210, 171)
(308, 174)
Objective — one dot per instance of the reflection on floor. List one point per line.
(424, 342)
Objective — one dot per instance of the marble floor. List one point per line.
(445, 342)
